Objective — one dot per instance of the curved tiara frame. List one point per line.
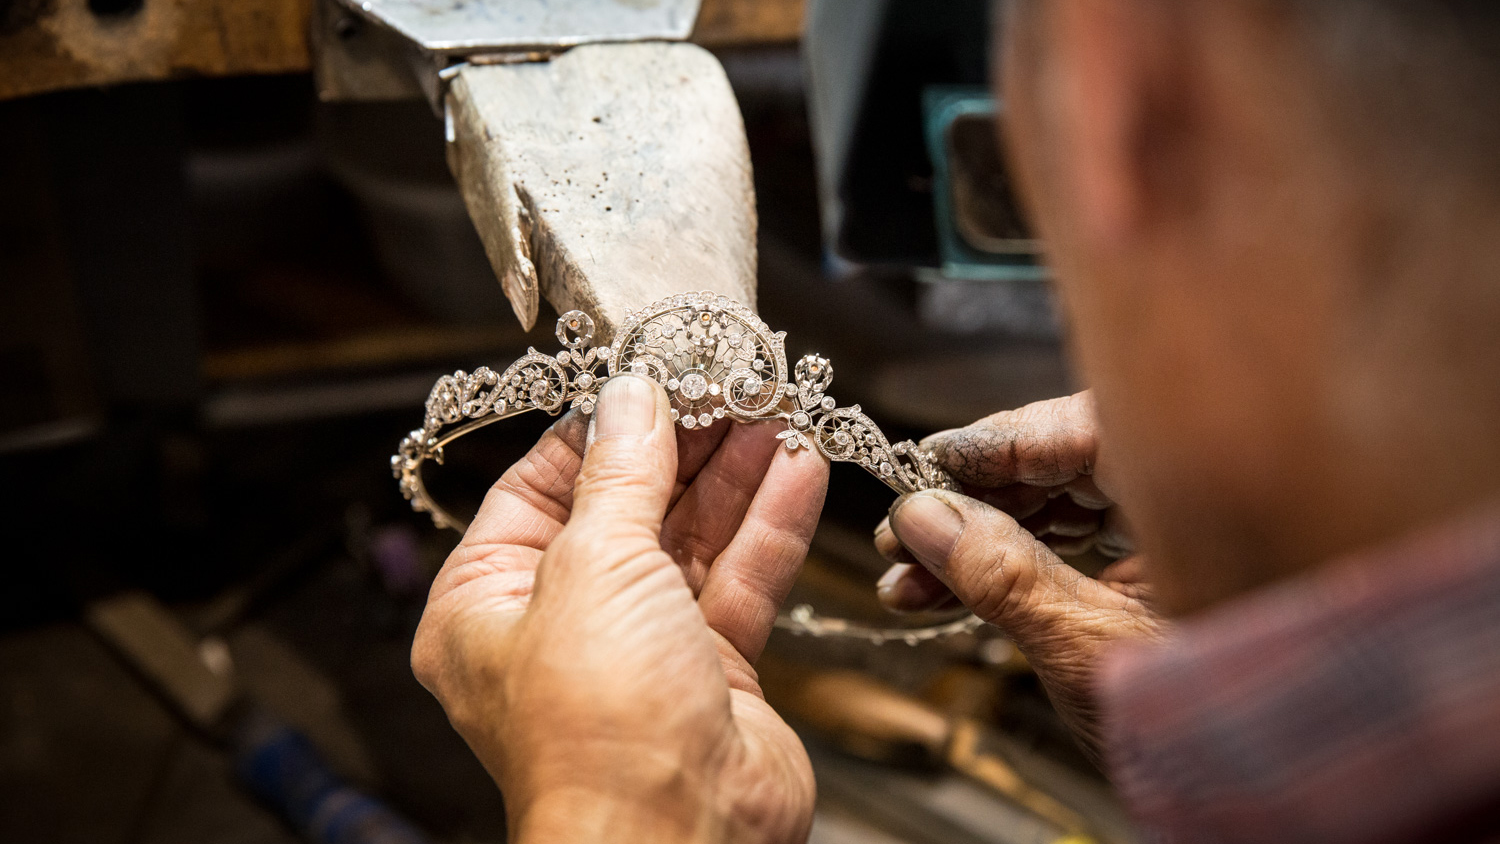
(716, 359)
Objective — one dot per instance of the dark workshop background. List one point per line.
(222, 304)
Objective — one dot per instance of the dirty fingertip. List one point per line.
(932, 441)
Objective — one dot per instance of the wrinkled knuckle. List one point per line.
(693, 548)
(610, 470)
(542, 470)
(743, 678)
(989, 585)
(611, 546)
(780, 543)
(426, 659)
(574, 544)
(423, 666)
(644, 554)
(990, 579)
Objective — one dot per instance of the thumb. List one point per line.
(998, 569)
(1060, 619)
(625, 482)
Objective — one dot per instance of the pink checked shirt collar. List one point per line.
(1360, 703)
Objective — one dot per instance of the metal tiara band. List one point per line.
(717, 359)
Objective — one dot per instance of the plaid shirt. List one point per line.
(1360, 703)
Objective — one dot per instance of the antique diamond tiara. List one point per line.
(717, 359)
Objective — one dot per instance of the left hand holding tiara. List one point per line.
(592, 636)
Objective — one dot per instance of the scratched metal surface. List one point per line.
(461, 26)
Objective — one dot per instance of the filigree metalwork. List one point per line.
(464, 401)
(716, 359)
(714, 356)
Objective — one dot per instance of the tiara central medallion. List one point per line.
(713, 355)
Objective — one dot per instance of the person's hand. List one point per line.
(606, 683)
(1032, 494)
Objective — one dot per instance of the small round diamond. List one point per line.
(713, 389)
(753, 386)
(705, 419)
(584, 380)
(689, 421)
(828, 403)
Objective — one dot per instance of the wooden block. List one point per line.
(49, 46)
(736, 23)
(607, 178)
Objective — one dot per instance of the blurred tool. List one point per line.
(982, 234)
(874, 721)
(272, 759)
(906, 132)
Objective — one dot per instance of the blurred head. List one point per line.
(1275, 226)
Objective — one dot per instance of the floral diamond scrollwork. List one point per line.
(847, 434)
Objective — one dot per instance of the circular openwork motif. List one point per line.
(714, 356)
(575, 329)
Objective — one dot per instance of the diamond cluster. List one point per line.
(714, 356)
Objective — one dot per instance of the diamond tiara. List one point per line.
(716, 359)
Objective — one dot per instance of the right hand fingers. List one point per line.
(1063, 525)
(907, 587)
(997, 568)
(1044, 444)
(1060, 619)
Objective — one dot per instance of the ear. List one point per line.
(1107, 58)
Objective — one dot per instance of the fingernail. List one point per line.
(890, 583)
(891, 577)
(902, 592)
(928, 527)
(627, 408)
(931, 441)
